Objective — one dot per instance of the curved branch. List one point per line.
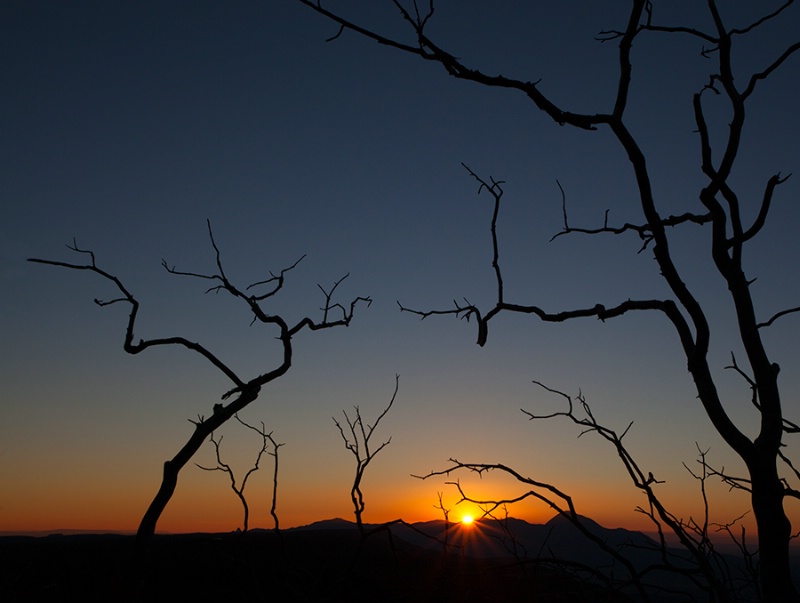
(495, 189)
(641, 480)
(645, 231)
(226, 285)
(776, 316)
(427, 49)
(667, 307)
(678, 29)
(345, 24)
(762, 20)
(129, 345)
(556, 499)
(762, 75)
(766, 201)
(329, 306)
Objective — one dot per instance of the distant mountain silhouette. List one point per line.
(336, 523)
(517, 538)
(556, 542)
(327, 560)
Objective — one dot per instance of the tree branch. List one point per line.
(645, 231)
(776, 316)
(766, 201)
(762, 20)
(427, 49)
(129, 345)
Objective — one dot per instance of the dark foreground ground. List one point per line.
(309, 565)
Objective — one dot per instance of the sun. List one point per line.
(467, 520)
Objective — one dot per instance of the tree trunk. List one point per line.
(169, 480)
(147, 527)
(774, 532)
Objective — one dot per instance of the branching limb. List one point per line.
(762, 20)
(645, 231)
(648, 25)
(427, 49)
(766, 201)
(788, 426)
(509, 540)
(643, 481)
(701, 529)
(345, 24)
(556, 499)
(495, 189)
(788, 490)
(357, 441)
(467, 310)
(127, 297)
(762, 75)
(735, 581)
(277, 281)
(776, 316)
(749, 557)
(329, 306)
(715, 39)
(226, 285)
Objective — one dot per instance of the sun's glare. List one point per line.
(467, 520)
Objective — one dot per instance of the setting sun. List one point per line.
(467, 520)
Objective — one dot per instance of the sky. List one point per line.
(125, 126)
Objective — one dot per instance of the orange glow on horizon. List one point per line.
(467, 520)
(202, 504)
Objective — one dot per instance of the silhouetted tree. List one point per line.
(267, 442)
(358, 442)
(706, 569)
(273, 507)
(244, 391)
(447, 524)
(732, 225)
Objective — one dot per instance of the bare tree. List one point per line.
(702, 566)
(244, 391)
(273, 507)
(267, 443)
(358, 442)
(721, 206)
(447, 524)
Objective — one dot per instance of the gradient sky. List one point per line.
(125, 125)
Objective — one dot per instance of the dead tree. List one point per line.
(733, 221)
(244, 391)
(273, 507)
(447, 525)
(358, 442)
(702, 566)
(267, 442)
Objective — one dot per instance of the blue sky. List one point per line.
(128, 125)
